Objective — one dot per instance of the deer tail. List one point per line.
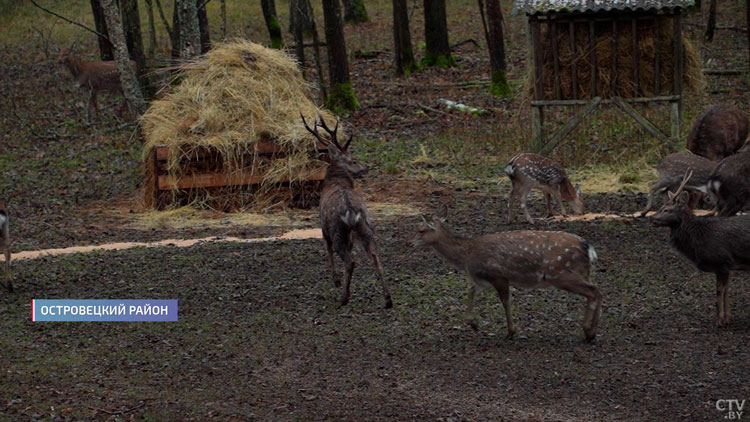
(351, 217)
(590, 251)
(510, 169)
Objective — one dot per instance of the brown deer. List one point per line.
(343, 215)
(93, 76)
(522, 259)
(5, 243)
(528, 171)
(719, 132)
(730, 184)
(672, 169)
(714, 244)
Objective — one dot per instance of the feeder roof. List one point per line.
(534, 7)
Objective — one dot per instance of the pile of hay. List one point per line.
(227, 101)
(650, 35)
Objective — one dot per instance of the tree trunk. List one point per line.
(131, 24)
(105, 48)
(438, 49)
(295, 18)
(190, 34)
(223, 20)
(711, 24)
(404, 53)
(496, 45)
(128, 79)
(151, 29)
(203, 27)
(747, 23)
(304, 15)
(341, 96)
(176, 53)
(272, 23)
(316, 52)
(165, 23)
(355, 12)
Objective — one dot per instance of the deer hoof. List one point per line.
(510, 335)
(388, 303)
(473, 324)
(590, 335)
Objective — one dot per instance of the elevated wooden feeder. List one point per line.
(591, 52)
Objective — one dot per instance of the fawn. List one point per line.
(94, 76)
(719, 132)
(671, 170)
(528, 171)
(730, 183)
(522, 259)
(714, 244)
(5, 243)
(343, 215)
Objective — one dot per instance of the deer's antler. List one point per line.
(688, 174)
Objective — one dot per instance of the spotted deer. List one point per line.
(719, 132)
(671, 170)
(730, 184)
(529, 171)
(343, 215)
(5, 244)
(95, 76)
(714, 244)
(522, 259)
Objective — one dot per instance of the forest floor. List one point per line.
(260, 336)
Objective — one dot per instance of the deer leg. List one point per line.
(503, 290)
(560, 202)
(513, 195)
(575, 284)
(6, 251)
(93, 103)
(371, 250)
(331, 262)
(549, 204)
(524, 197)
(470, 319)
(722, 282)
(349, 265)
(650, 201)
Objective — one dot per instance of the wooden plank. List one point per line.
(536, 48)
(657, 59)
(674, 122)
(208, 180)
(592, 57)
(569, 126)
(563, 103)
(537, 127)
(650, 127)
(263, 147)
(573, 71)
(677, 79)
(636, 70)
(555, 59)
(613, 82)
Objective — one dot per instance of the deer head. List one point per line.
(672, 212)
(339, 155)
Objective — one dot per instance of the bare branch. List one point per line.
(99, 34)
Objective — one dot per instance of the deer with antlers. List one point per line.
(522, 259)
(714, 244)
(5, 243)
(343, 215)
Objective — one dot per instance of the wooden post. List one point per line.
(573, 71)
(592, 57)
(657, 59)
(613, 82)
(555, 58)
(676, 107)
(537, 128)
(636, 70)
(537, 113)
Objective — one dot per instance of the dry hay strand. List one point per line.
(238, 94)
(649, 35)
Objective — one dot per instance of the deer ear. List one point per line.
(683, 198)
(670, 196)
(428, 222)
(443, 213)
(578, 189)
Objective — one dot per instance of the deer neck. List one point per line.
(453, 248)
(687, 234)
(338, 175)
(74, 66)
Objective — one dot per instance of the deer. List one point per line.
(671, 170)
(719, 132)
(714, 244)
(96, 76)
(730, 184)
(5, 244)
(522, 259)
(529, 171)
(343, 214)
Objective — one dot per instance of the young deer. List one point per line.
(671, 170)
(5, 244)
(528, 171)
(719, 132)
(343, 214)
(730, 184)
(94, 76)
(714, 244)
(522, 259)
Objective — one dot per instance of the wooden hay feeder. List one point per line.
(205, 177)
(586, 53)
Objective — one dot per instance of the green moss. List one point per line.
(411, 67)
(358, 13)
(442, 61)
(341, 99)
(500, 86)
(274, 29)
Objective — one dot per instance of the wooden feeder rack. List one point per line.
(158, 192)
